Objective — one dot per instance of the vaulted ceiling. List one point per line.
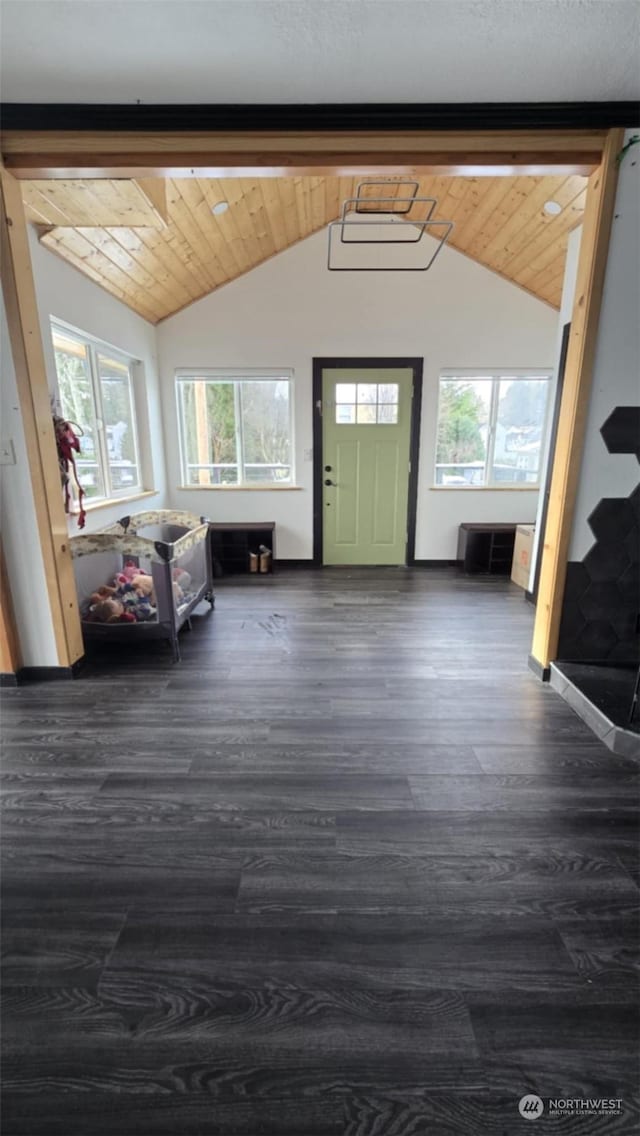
(157, 246)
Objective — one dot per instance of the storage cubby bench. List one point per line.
(232, 543)
(486, 548)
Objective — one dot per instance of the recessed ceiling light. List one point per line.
(219, 207)
(552, 208)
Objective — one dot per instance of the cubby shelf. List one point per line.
(232, 542)
(486, 548)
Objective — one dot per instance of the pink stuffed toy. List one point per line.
(126, 576)
(132, 573)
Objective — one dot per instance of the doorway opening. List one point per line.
(366, 438)
(118, 154)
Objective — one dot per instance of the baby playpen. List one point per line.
(142, 577)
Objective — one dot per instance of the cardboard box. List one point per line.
(522, 549)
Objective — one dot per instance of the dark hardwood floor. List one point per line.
(349, 869)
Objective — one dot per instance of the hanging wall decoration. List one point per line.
(68, 436)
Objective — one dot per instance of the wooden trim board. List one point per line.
(147, 154)
(10, 657)
(33, 392)
(574, 406)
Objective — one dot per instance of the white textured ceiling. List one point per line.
(319, 51)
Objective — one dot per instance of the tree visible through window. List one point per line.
(235, 431)
(95, 394)
(491, 430)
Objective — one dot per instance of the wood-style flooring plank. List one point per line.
(346, 757)
(46, 946)
(487, 1113)
(586, 757)
(416, 949)
(521, 792)
(409, 880)
(582, 1037)
(273, 791)
(186, 1113)
(468, 828)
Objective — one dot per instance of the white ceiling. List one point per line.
(319, 51)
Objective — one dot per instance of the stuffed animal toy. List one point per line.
(143, 610)
(128, 598)
(131, 599)
(143, 585)
(136, 597)
(102, 593)
(110, 610)
(127, 575)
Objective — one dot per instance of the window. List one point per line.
(491, 430)
(235, 429)
(366, 404)
(96, 394)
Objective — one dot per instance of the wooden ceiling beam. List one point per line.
(64, 154)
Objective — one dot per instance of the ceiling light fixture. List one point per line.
(386, 215)
(219, 208)
(552, 208)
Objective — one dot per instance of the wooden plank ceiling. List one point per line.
(158, 247)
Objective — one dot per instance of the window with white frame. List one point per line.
(95, 394)
(235, 428)
(491, 429)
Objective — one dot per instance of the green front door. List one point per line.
(366, 430)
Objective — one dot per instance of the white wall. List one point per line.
(566, 311)
(616, 375)
(570, 279)
(20, 539)
(291, 309)
(65, 293)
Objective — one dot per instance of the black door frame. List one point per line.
(545, 490)
(321, 364)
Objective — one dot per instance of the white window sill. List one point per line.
(485, 488)
(239, 488)
(109, 502)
